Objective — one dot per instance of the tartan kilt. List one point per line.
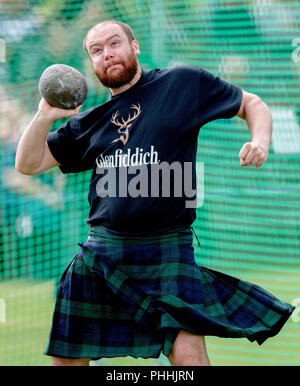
(130, 296)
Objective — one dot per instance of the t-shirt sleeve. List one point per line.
(217, 98)
(70, 148)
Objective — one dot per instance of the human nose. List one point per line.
(107, 53)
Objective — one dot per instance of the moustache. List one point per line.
(112, 64)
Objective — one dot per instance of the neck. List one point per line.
(134, 80)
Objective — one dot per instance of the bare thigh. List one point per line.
(56, 361)
(189, 350)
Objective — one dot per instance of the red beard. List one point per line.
(116, 79)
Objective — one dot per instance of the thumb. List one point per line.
(74, 111)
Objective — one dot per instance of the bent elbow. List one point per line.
(22, 170)
(249, 101)
(256, 101)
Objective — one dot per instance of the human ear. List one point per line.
(136, 46)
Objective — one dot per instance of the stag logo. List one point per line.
(125, 124)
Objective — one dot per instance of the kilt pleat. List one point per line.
(123, 296)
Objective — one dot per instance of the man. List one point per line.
(135, 289)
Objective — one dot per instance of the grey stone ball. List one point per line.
(63, 86)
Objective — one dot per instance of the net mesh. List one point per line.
(248, 225)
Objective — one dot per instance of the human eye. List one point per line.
(115, 43)
(96, 51)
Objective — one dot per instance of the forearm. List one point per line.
(259, 121)
(33, 155)
(31, 146)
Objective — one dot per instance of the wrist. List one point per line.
(44, 118)
(262, 142)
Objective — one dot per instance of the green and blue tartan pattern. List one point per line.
(129, 296)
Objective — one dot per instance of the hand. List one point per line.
(253, 154)
(53, 113)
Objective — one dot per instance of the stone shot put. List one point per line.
(63, 86)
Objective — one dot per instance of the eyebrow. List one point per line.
(96, 43)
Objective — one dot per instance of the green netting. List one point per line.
(249, 223)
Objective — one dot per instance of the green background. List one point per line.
(248, 225)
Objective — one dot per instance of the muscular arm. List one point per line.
(33, 154)
(258, 117)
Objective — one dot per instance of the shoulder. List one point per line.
(185, 74)
(177, 75)
(172, 71)
(184, 70)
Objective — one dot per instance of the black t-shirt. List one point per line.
(138, 142)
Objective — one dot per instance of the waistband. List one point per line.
(101, 234)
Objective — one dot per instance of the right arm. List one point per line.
(33, 154)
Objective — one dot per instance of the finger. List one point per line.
(255, 160)
(252, 162)
(250, 157)
(44, 104)
(259, 164)
(260, 157)
(77, 110)
(74, 111)
(243, 162)
(244, 150)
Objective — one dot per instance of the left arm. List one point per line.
(258, 117)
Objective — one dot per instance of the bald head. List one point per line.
(125, 28)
